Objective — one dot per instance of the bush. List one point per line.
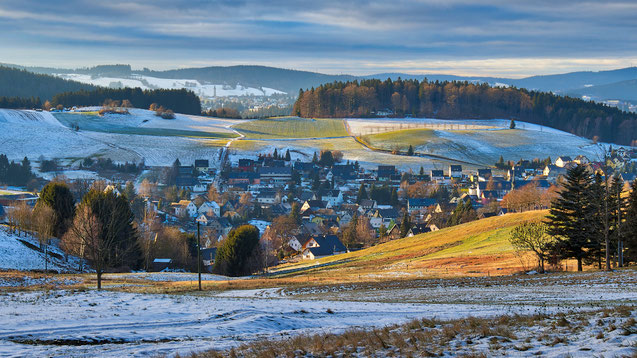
(237, 252)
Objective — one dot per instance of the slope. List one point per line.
(624, 90)
(477, 248)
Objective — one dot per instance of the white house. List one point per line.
(210, 207)
(561, 162)
(185, 207)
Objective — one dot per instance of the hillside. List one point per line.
(24, 253)
(289, 81)
(624, 90)
(20, 83)
(477, 248)
(452, 100)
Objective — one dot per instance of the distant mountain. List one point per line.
(290, 81)
(624, 90)
(563, 82)
(15, 82)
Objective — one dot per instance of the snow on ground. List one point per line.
(35, 134)
(109, 323)
(127, 324)
(147, 82)
(15, 254)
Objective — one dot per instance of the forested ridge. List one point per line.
(20, 83)
(452, 100)
(178, 100)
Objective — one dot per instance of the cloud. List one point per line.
(330, 35)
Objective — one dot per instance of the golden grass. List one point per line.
(291, 127)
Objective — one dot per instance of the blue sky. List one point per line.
(488, 37)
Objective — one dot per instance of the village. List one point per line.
(311, 209)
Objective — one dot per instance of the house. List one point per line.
(420, 204)
(204, 219)
(161, 264)
(277, 175)
(561, 162)
(295, 244)
(419, 229)
(437, 174)
(333, 197)
(183, 208)
(552, 172)
(344, 171)
(268, 197)
(208, 256)
(202, 165)
(312, 206)
(393, 233)
(367, 204)
(580, 159)
(386, 171)
(321, 246)
(484, 174)
(383, 217)
(210, 208)
(455, 171)
(246, 165)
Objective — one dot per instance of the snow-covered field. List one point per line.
(35, 134)
(147, 82)
(15, 254)
(109, 323)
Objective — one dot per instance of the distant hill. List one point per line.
(624, 90)
(290, 81)
(452, 100)
(15, 82)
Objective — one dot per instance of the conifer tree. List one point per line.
(570, 217)
(629, 228)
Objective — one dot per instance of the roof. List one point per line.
(162, 261)
(456, 168)
(564, 158)
(275, 170)
(328, 245)
(437, 173)
(424, 202)
(420, 228)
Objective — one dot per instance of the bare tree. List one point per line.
(44, 224)
(533, 237)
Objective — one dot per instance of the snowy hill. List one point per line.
(146, 82)
(136, 137)
(24, 254)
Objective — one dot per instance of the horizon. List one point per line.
(495, 39)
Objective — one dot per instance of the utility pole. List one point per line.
(198, 254)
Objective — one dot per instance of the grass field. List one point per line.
(291, 127)
(477, 248)
(482, 146)
(90, 121)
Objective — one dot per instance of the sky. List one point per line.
(506, 38)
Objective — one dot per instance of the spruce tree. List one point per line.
(405, 225)
(570, 217)
(410, 151)
(288, 157)
(362, 194)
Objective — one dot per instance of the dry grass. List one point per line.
(421, 338)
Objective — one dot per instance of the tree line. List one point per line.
(15, 82)
(20, 102)
(449, 100)
(178, 100)
(591, 220)
(12, 173)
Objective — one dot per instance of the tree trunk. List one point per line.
(579, 264)
(99, 279)
(541, 265)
